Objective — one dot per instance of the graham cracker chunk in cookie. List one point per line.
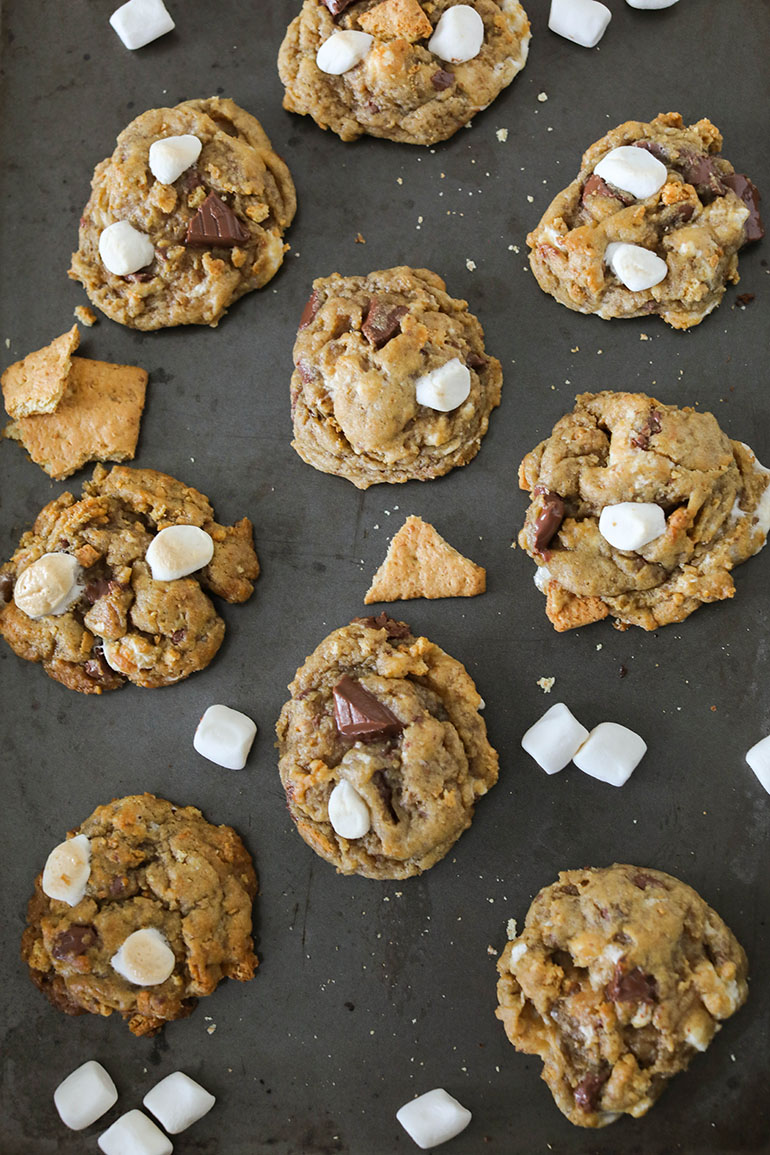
(421, 564)
(37, 383)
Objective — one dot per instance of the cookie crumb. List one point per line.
(530, 199)
(86, 315)
(510, 928)
(399, 180)
(542, 97)
(491, 951)
(210, 1029)
(575, 350)
(360, 240)
(470, 265)
(502, 135)
(546, 684)
(643, 337)
(598, 645)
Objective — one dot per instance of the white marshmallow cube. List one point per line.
(433, 1118)
(631, 524)
(67, 870)
(178, 1101)
(144, 958)
(348, 812)
(123, 249)
(84, 1096)
(636, 267)
(178, 550)
(458, 36)
(49, 586)
(140, 21)
(611, 753)
(446, 387)
(343, 51)
(651, 4)
(555, 739)
(635, 170)
(173, 155)
(758, 759)
(134, 1134)
(583, 22)
(225, 736)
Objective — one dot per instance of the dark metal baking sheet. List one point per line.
(370, 993)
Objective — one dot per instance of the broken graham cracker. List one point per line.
(421, 564)
(396, 19)
(37, 383)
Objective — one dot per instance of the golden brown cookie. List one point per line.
(421, 564)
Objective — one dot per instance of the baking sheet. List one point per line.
(369, 993)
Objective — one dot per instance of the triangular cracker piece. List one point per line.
(37, 384)
(420, 564)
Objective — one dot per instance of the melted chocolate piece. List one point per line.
(74, 941)
(96, 589)
(632, 986)
(643, 880)
(569, 888)
(382, 322)
(383, 622)
(358, 714)
(595, 186)
(588, 1090)
(652, 146)
(178, 636)
(215, 223)
(641, 440)
(753, 228)
(141, 277)
(337, 6)
(190, 179)
(312, 306)
(476, 361)
(675, 215)
(98, 669)
(548, 520)
(702, 172)
(119, 885)
(6, 587)
(442, 79)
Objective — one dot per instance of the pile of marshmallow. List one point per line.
(584, 22)
(610, 752)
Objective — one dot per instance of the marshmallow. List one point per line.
(145, 958)
(433, 1118)
(555, 739)
(177, 551)
(583, 22)
(631, 524)
(49, 586)
(134, 1134)
(343, 51)
(140, 21)
(541, 578)
(635, 267)
(611, 753)
(651, 4)
(458, 36)
(84, 1096)
(178, 1101)
(758, 759)
(124, 249)
(67, 870)
(173, 155)
(635, 170)
(225, 736)
(348, 812)
(446, 387)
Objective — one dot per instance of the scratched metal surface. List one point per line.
(370, 993)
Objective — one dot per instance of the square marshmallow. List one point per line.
(555, 739)
(134, 1134)
(758, 759)
(225, 736)
(611, 753)
(140, 21)
(583, 22)
(433, 1118)
(178, 1101)
(84, 1096)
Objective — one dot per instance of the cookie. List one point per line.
(382, 750)
(81, 596)
(400, 79)
(620, 977)
(209, 235)
(36, 384)
(686, 216)
(627, 455)
(151, 866)
(421, 564)
(391, 380)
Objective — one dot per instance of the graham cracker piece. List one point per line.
(567, 611)
(37, 383)
(399, 19)
(421, 564)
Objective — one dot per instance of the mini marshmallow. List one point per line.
(343, 51)
(225, 736)
(348, 812)
(458, 36)
(178, 1101)
(758, 759)
(433, 1118)
(635, 170)
(178, 550)
(583, 22)
(173, 155)
(84, 1096)
(123, 249)
(140, 21)
(134, 1134)
(145, 958)
(651, 4)
(446, 387)
(67, 870)
(555, 739)
(49, 586)
(611, 753)
(631, 524)
(637, 268)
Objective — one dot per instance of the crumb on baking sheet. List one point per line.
(470, 265)
(546, 684)
(502, 135)
(510, 928)
(86, 315)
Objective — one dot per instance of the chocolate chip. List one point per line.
(652, 146)
(383, 622)
(675, 215)
(6, 587)
(622, 671)
(98, 670)
(548, 520)
(178, 636)
(641, 440)
(569, 888)
(753, 229)
(382, 322)
(312, 306)
(702, 172)
(588, 1090)
(632, 986)
(743, 299)
(74, 941)
(358, 714)
(595, 186)
(96, 589)
(643, 880)
(140, 276)
(442, 79)
(215, 223)
(119, 885)
(476, 360)
(337, 6)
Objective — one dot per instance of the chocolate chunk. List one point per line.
(548, 520)
(588, 1090)
(643, 880)
(675, 215)
(119, 885)
(358, 714)
(74, 941)
(337, 6)
(312, 306)
(141, 276)
(641, 440)
(632, 986)
(6, 587)
(442, 79)
(383, 622)
(215, 223)
(743, 299)
(569, 888)
(382, 322)
(652, 146)
(178, 636)
(476, 361)
(99, 671)
(702, 172)
(753, 228)
(96, 589)
(595, 186)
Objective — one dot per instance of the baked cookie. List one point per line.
(639, 510)
(382, 750)
(391, 381)
(408, 71)
(110, 588)
(651, 224)
(620, 977)
(199, 222)
(143, 910)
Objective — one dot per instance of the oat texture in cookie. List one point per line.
(161, 875)
(652, 224)
(619, 978)
(383, 753)
(175, 242)
(624, 454)
(408, 71)
(391, 380)
(79, 593)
